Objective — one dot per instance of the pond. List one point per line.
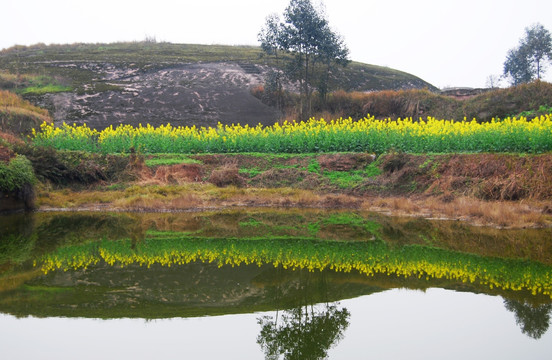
(288, 284)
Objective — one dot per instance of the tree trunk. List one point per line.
(307, 95)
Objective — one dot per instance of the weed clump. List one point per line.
(16, 181)
(227, 175)
(171, 174)
(16, 173)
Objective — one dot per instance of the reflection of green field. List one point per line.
(44, 232)
(369, 257)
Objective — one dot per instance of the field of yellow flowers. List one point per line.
(316, 135)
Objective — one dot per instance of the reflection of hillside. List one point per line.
(194, 289)
(200, 289)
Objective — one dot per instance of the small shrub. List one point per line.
(16, 174)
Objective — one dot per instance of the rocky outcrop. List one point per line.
(186, 94)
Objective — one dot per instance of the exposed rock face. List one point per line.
(187, 94)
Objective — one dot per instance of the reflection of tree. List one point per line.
(533, 320)
(302, 334)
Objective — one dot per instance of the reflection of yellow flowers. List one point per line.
(368, 259)
(368, 134)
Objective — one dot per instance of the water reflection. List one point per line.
(56, 229)
(533, 320)
(368, 258)
(303, 332)
(195, 264)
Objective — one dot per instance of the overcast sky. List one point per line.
(445, 42)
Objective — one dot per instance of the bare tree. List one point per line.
(493, 81)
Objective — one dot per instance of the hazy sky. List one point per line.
(447, 43)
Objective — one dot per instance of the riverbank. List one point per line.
(500, 190)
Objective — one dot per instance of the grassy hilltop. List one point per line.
(202, 85)
(157, 83)
(143, 56)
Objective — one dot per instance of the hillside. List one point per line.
(156, 83)
(530, 100)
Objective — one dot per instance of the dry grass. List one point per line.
(227, 175)
(20, 116)
(5, 154)
(498, 103)
(11, 100)
(66, 198)
(503, 214)
(485, 176)
(287, 197)
(6, 137)
(170, 174)
(190, 196)
(157, 203)
(14, 281)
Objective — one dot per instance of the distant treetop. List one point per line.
(528, 61)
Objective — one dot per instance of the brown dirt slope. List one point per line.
(482, 176)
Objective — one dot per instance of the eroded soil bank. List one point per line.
(503, 190)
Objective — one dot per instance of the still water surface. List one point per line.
(269, 284)
(398, 324)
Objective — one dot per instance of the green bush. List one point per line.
(16, 174)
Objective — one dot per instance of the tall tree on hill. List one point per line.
(312, 46)
(527, 62)
(539, 44)
(269, 36)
